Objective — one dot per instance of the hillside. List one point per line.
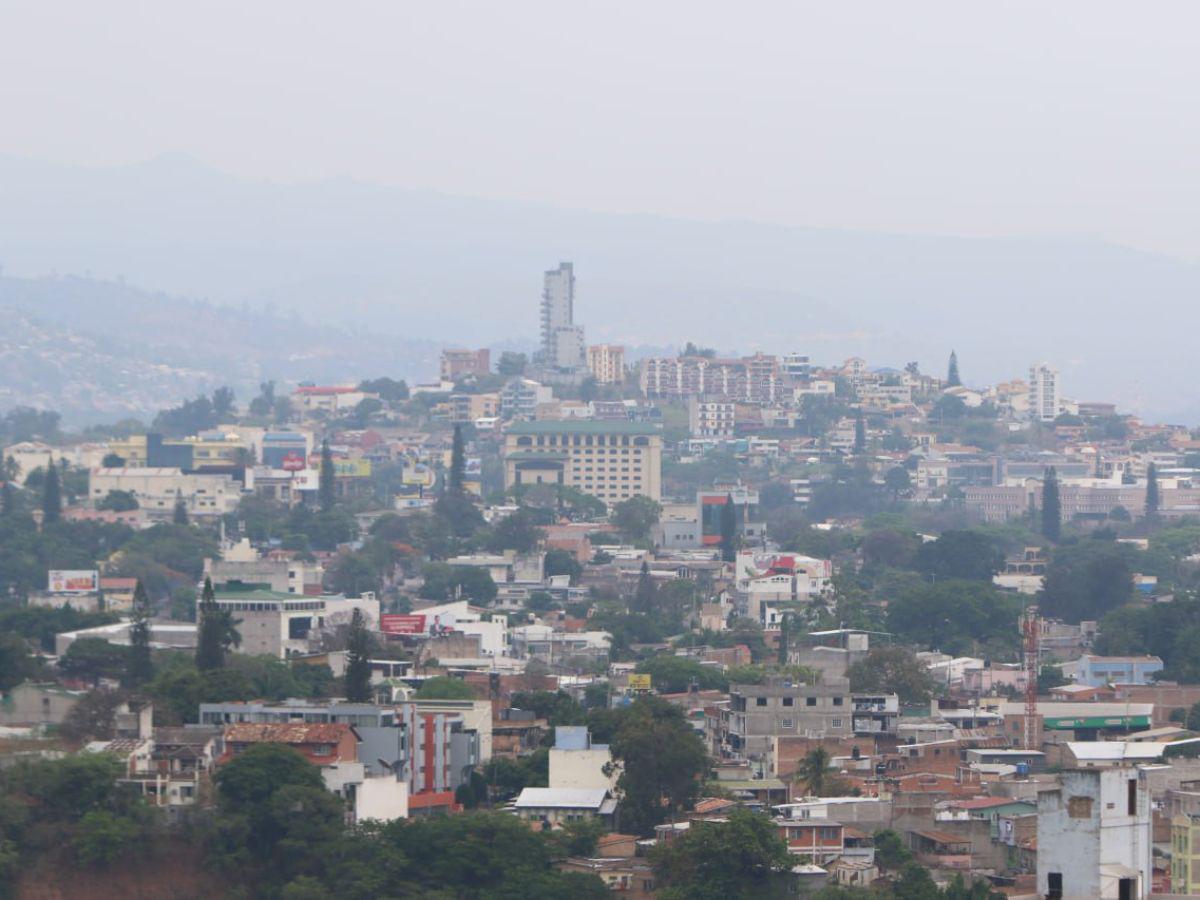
(101, 351)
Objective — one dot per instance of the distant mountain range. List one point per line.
(100, 351)
(380, 260)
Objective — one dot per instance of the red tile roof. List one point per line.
(286, 733)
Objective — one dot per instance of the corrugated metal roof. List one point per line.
(286, 733)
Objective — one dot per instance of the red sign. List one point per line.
(293, 462)
(394, 623)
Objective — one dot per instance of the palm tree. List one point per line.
(813, 770)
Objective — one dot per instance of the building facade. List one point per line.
(610, 460)
(1045, 401)
(606, 362)
(456, 363)
(562, 340)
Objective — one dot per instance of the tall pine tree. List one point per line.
(51, 495)
(1051, 506)
(139, 667)
(952, 379)
(180, 516)
(325, 489)
(458, 462)
(210, 636)
(645, 593)
(358, 660)
(1152, 499)
(728, 530)
(783, 638)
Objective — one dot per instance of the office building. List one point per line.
(610, 460)
(562, 340)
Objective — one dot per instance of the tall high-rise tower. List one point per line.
(1044, 397)
(562, 340)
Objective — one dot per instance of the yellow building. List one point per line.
(607, 363)
(1185, 854)
(140, 451)
(610, 460)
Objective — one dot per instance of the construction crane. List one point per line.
(1031, 634)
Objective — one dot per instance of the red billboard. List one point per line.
(293, 462)
(395, 623)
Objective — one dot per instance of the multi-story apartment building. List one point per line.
(457, 363)
(610, 460)
(1045, 400)
(521, 397)
(1185, 854)
(607, 363)
(1093, 836)
(562, 340)
(758, 713)
(754, 379)
(711, 418)
(469, 407)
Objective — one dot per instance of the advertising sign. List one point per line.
(74, 581)
(639, 682)
(293, 461)
(394, 623)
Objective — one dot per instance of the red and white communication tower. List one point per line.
(1031, 634)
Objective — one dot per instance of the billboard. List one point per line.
(292, 461)
(394, 623)
(74, 581)
(639, 682)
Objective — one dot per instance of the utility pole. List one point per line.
(1030, 630)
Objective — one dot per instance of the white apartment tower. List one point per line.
(1045, 401)
(562, 339)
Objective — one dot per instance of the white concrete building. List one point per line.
(562, 340)
(157, 490)
(575, 762)
(1045, 399)
(1094, 837)
(711, 418)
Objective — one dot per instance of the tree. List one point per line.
(813, 771)
(956, 616)
(860, 433)
(118, 501)
(894, 670)
(246, 782)
(1087, 579)
(671, 674)
(897, 480)
(663, 760)
(1152, 491)
(216, 632)
(960, 554)
(1051, 506)
(890, 851)
(728, 530)
(644, 593)
(636, 516)
(91, 659)
(222, 402)
(741, 857)
(140, 668)
(180, 514)
(516, 531)
(458, 462)
(358, 660)
(512, 364)
(15, 662)
(8, 500)
(51, 496)
(326, 489)
(442, 687)
(952, 379)
(562, 562)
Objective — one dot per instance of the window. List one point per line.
(789, 701)
(835, 723)
(1079, 807)
(1131, 797)
(787, 724)
(810, 701)
(1054, 886)
(760, 701)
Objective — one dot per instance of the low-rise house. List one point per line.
(555, 807)
(38, 705)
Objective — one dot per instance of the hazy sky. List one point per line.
(966, 118)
